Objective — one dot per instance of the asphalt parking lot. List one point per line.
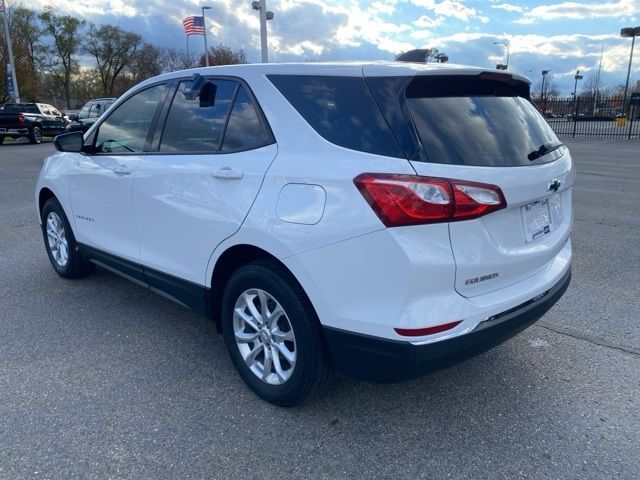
(100, 378)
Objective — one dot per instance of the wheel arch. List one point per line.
(228, 262)
(44, 195)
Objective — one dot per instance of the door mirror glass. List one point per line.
(69, 142)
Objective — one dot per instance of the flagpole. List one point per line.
(595, 97)
(10, 50)
(188, 57)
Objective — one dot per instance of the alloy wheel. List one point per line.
(264, 336)
(57, 239)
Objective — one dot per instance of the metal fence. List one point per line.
(589, 117)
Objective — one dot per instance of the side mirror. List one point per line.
(73, 117)
(69, 142)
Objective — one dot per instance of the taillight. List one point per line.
(21, 119)
(401, 200)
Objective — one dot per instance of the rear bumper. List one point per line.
(381, 360)
(14, 131)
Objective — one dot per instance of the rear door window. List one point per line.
(246, 128)
(192, 127)
(341, 109)
(477, 123)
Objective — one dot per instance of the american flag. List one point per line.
(193, 25)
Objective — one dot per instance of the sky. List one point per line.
(561, 36)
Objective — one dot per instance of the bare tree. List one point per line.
(113, 50)
(591, 87)
(65, 32)
(174, 59)
(85, 85)
(223, 55)
(147, 62)
(551, 89)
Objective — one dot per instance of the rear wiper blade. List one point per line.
(544, 149)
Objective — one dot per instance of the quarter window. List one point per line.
(193, 127)
(126, 129)
(245, 129)
(341, 109)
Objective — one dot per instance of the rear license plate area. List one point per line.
(536, 219)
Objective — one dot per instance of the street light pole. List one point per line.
(204, 24)
(261, 6)
(507, 47)
(575, 85)
(632, 32)
(12, 70)
(264, 49)
(542, 93)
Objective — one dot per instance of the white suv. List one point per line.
(378, 220)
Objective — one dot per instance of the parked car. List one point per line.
(373, 219)
(32, 120)
(87, 116)
(70, 114)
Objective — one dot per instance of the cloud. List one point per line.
(508, 7)
(379, 29)
(428, 22)
(580, 11)
(451, 8)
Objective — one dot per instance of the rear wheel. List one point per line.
(60, 243)
(35, 136)
(273, 335)
(1, 140)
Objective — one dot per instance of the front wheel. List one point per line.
(60, 243)
(36, 135)
(273, 335)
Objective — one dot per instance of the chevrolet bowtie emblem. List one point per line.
(554, 185)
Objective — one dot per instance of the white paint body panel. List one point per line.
(358, 275)
(301, 203)
(183, 212)
(101, 202)
(496, 243)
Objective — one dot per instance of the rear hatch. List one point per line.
(481, 127)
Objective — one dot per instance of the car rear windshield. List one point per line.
(341, 109)
(471, 121)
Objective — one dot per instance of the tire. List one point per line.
(35, 136)
(60, 243)
(1, 140)
(296, 330)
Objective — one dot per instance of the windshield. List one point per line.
(497, 131)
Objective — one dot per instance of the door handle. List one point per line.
(226, 173)
(122, 170)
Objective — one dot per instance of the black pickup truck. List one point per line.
(31, 120)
